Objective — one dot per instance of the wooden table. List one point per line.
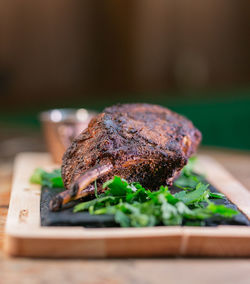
(157, 270)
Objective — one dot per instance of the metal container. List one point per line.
(61, 126)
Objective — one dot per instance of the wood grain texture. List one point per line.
(5, 186)
(25, 236)
(150, 270)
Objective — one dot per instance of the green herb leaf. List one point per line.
(222, 210)
(216, 195)
(201, 193)
(52, 179)
(96, 192)
(122, 219)
(37, 176)
(134, 206)
(117, 187)
(95, 202)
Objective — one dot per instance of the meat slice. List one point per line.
(142, 143)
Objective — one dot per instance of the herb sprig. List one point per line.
(49, 179)
(134, 206)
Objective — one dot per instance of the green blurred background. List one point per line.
(190, 56)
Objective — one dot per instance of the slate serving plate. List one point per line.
(66, 217)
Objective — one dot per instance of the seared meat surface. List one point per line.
(142, 143)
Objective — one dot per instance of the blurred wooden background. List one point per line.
(192, 56)
(65, 49)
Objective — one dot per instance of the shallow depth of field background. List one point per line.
(192, 56)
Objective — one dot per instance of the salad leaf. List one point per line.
(216, 195)
(134, 206)
(117, 187)
(221, 210)
(122, 219)
(96, 192)
(188, 179)
(201, 193)
(36, 177)
(49, 179)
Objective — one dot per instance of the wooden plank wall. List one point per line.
(65, 49)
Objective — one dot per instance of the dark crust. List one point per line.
(145, 143)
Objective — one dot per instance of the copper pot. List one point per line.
(61, 126)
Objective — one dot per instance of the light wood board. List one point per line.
(25, 236)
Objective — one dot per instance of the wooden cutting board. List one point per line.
(25, 236)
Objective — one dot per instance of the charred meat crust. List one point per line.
(146, 143)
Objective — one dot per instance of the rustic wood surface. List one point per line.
(156, 270)
(25, 236)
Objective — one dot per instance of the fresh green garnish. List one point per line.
(52, 179)
(134, 206)
(187, 180)
(194, 197)
(216, 195)
(96, 192)
(221, 210)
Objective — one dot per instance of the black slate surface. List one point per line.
(66, 217)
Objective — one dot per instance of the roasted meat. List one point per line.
(142, 143)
